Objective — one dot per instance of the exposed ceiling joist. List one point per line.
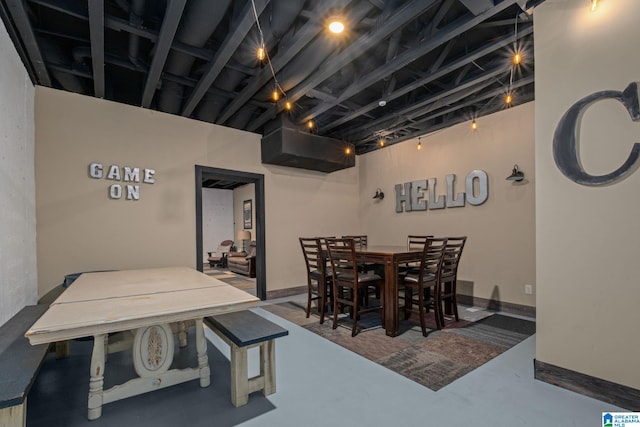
(20, 16)
(444, 35)
(96, 29)
(236, 36)
(478, 6)
(306, 35)
(357, 48)
(167, 33)
(429, 61)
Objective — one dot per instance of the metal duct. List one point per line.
(297, 70)
(275, 21)
(285, 145)
(310, 59)
(135, 19)
(54, 55)
(196, 26)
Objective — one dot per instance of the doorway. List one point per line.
(205, 172)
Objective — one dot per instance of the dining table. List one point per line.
(391, 257)
(148, 305)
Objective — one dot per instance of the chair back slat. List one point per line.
(313, 255)
(358, 241)
(342, 256)
(416, 242)
(432, 258)
(452, 255)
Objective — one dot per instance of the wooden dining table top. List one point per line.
(113, 301)
(387, 249)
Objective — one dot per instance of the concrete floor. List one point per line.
(318, 383)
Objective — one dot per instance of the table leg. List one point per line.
(96, 381)
(391, 321)
(203, 360)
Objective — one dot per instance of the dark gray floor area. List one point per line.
(318, 383)
(59, 395)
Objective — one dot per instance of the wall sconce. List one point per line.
(379, 194)
(516, 175)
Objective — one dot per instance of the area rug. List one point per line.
(433, 361)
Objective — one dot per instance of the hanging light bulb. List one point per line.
(419, 144)
(288, 106)
(310, 124)
(508, 99)
(594, 5)
(381, 142)
(275, 96)
(347, 150)
(474, 124)
(517, 58)
(261, 54)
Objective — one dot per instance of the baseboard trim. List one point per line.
(507, 307)
(606, 391)
(281, 293)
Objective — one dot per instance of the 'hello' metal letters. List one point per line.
(411, 195)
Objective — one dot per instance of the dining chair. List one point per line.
(422, 287)
(360, 242)
(414, 242)
(319, 278)
(449, 275)
(350, 286)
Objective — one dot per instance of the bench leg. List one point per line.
(14, 416)
(268, 366)
(96, 382)
(239, 376)
(241, 384)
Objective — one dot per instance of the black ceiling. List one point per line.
(435, 63)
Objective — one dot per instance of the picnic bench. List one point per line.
(19, 365)
(243, 330)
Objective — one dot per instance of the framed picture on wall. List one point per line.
(246, 213)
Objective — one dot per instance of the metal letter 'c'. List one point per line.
(565, 138)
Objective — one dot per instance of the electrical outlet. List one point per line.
(528, 289)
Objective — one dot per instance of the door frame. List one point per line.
(247, 178)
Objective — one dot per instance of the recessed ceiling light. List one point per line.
(336, 26)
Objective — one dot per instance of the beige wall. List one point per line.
(79, 228)
(588, 238)
(499, 257)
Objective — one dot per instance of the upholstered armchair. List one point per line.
(243, 262)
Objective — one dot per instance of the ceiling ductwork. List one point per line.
(400, 70)
(285, 145)
(196, 27)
